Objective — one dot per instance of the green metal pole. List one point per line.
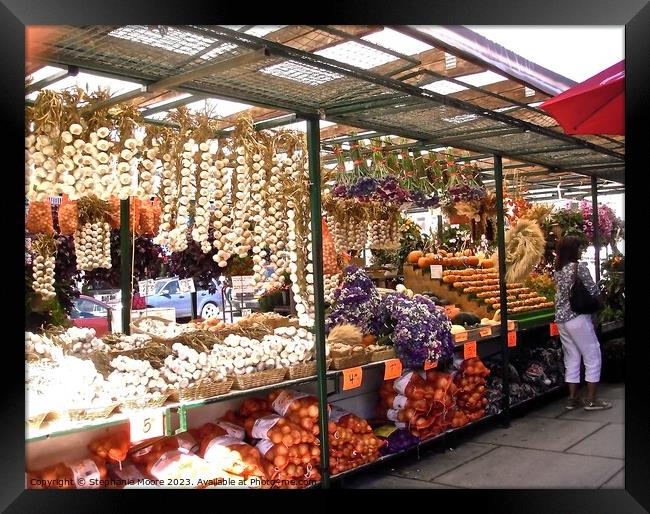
(313, 149)
(503, 295)
(125, 271)
(595, 225)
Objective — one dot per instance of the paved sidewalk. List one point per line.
(549, 447)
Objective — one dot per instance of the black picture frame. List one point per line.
(634, 14)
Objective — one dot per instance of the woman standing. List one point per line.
(577, 332)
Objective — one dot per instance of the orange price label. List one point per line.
(469, 350)
(512, 338)
(485, 332)
(352, 378)
(511, 325)
(393, 369)
(146, 425)
(554, 330)
(430, 365)
(461, 336)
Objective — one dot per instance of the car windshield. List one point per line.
(160, 285)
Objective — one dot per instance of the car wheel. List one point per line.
(210, 310)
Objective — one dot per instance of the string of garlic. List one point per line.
(92, 245)
(223, 216)
(200, 231)
(263, 221)
(241, 222)
(43, 276)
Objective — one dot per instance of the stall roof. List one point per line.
(373, 78)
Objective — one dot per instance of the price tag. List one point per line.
(485, 332)
(460, 337)
(430, 365)
(512, 339)
(469, 350)
(393, 369)
(186, 285)
(554, 330)
(146, 425)
(436, 271)
(511, 325)
(246, 312)
(143, 287)
(352, 378)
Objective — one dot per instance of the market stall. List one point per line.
(249, 403)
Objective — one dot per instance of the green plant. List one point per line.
(612, 287)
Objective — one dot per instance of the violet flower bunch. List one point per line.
(420, 331)
(356, 302)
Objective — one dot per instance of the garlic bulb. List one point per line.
(187, 366)
(223, 215)
(133, 379)
(43, 276)
(131, 342)
(92, 242)
(82, 341)
(331, 283)
(204, 178)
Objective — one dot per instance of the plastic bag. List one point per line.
(114, 212)
(156, 210)
(330, 266)
(80, 474)
(145, 224)
(39, 218)
(68, 216)
(232, 455)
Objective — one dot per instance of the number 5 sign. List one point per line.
(146, 425)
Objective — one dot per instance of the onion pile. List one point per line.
(470, 398)
(421, 402)
(134, 379)
(188, 366)
(92, 243)
(352, 441)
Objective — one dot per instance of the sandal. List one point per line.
(597, 404)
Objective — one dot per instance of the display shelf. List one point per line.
(536, 397)
(410, 449)
(611, 326)
(64, 426)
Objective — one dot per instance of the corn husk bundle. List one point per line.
(538, 213)
(39, 218)
(44, 249)
(525, 246)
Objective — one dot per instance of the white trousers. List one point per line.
(579, 341)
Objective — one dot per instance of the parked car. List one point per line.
(168, 294)
(88, 312)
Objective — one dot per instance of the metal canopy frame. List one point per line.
(215, 61)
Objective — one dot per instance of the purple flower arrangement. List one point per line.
(420, 332)
(466, 193)
(385, 190)
(356, 302)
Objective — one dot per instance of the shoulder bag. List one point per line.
(580, 299)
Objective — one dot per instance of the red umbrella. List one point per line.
(595, 106)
